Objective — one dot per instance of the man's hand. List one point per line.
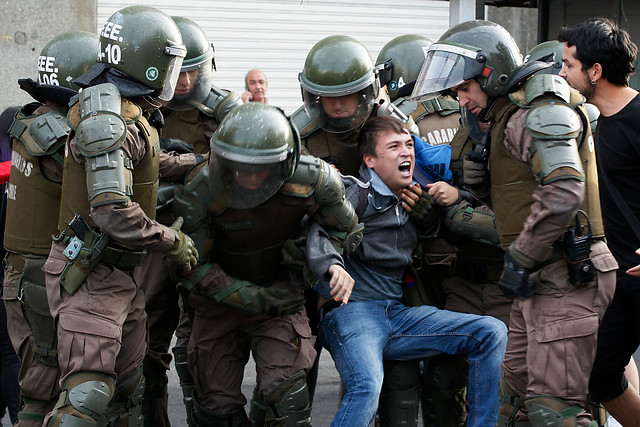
(417, 202)
(515, 279)
(183, 251)
(443, 194)
(635, 271)
(246, 96)
(474, 169)
(341, 283)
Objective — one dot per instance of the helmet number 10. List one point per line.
(112, 52)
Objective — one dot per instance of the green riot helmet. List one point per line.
(402, 59)
(550, 51)
(145, 44)
(257, 149)
(196, 74)
(479, 50)
(339, 84)
(65, 57)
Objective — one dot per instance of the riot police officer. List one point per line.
(38, 135)
(106, 223)
(340, 90)
(190, 118)
(242, 297)
(535, 183)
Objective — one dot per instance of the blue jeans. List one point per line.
(360, 334)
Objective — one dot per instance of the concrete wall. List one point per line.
(25, 27)
(521, 22)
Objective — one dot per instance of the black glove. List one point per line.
(177, 145)
(423, 207)
(474, 169)
(515, 279)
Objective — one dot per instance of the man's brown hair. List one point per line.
(369, 133)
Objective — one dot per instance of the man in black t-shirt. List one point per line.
(598, 59)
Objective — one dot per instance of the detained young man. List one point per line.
(364, 320)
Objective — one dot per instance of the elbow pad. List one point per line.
(315, 177)
(100, 134)
(554, 155)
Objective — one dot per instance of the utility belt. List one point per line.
(85, 248)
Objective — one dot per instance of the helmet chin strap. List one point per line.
(482, 115)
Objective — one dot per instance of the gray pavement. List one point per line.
(325, 403)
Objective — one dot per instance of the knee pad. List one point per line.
(510, 405)
(203, 417)
(400, 395)
(125, 409)
(444, 381)
(549, 411)
(287, 405)
(83, 401)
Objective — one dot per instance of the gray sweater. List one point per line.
(389, 238)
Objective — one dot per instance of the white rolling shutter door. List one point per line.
(275, 35)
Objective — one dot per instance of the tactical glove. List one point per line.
(177, 145)
(257, 300)
(515, 279)
(183, 251)
(474, 169)
(423, 207)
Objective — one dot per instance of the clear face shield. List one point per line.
(194, 84)
(177, 53)
(446, 66)
(251, 185)
(338, 114)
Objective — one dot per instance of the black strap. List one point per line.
(632, 220)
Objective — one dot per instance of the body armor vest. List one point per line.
(248, 242)
(145, 174)
(438, 119)
(33, 201)
(513, 182)
(470, 251)
(189, 126)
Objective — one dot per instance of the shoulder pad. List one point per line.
(218, 103)
(553, 120)
(101, 127)
(406, 106)
(539, 85)
(302, 183)
(303, 122)
(47, 132)
(444, 106)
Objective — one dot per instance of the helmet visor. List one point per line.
(177, 53)
(446, 66)
(251, 185)
(338, 114)
(192, 87)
